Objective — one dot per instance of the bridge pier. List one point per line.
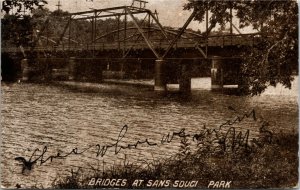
(87, 70)
(217, 75)
(96, 69)
(185, 79)
(25, 70)
(160, 83)
(71, 68)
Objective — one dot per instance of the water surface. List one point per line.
(62, 118)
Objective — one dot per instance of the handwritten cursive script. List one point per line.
(229, 138)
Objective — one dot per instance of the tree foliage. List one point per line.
(16, 31)
(17, 24)
(21, 6)
(275, 57)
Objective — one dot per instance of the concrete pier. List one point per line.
(160, 83)
(25, 69)
(71, 68)
(217, 73)
(96, 71)
(185, 80)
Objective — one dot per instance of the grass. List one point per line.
(273, 165)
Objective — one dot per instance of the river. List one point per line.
(62, 118)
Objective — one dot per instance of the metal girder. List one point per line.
(40, 33)
(180, 33)
(109, 10)
(201, 51)
(99, 10)
(64, 31)
(159, 25)
(108, 15)
(236, 29)
(151, 29)
(125, 31)
(150, 45)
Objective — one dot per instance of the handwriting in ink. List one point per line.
(231, 139)
(101, 151)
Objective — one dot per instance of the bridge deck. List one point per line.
(212, 41)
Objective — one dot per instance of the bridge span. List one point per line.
(135, 35)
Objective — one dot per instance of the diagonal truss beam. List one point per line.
(64, 31)
(201, 51)
(40, 33)
(142, 32)
(159, 25)
(180, 33)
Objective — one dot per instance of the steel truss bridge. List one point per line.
(119, 34)
(136, 28)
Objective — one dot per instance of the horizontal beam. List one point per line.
(233, 35)
(108, 15)
(141, 1)
(108, 9)
(99, 10)
(147, 58)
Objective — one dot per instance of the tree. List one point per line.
(16, 31)
(21, 6)
(17, 24)
(274, 58)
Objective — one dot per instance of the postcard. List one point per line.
(149, 94)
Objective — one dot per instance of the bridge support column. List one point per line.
(217, 73)
(185, 80)
(160, 83)
(96, 70)
(25, 69)
(71, 68)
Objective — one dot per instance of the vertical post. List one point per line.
(71, 68)
(206, 47)
(119, 32)
(47, 36)
(230, 18)
(149, 25)
(92, 34)
(185, 79)
(231, 23)
(25, 69)
(95, 31)
(160, 83)
(125, 32)
(217, 73)
(70, 33)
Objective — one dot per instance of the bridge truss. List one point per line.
(132, 28)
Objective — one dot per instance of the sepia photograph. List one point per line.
(149, 94)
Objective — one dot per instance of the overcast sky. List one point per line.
(170, 12)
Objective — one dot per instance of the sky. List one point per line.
(170, 12)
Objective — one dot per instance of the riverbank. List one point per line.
(270, 165)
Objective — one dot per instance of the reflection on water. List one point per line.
(36, 115)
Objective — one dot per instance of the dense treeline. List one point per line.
(275, 58)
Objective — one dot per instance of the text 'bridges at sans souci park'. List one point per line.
(130, 39)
